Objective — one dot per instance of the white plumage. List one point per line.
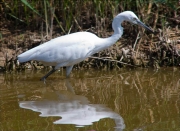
(73, 48)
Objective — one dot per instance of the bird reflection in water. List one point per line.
(74, 109)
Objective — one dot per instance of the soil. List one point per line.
(162, 49)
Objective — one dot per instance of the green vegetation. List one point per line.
(77, 14)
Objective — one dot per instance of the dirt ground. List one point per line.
(142, 49)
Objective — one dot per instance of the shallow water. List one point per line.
(91, 100)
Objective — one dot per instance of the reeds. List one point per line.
(66, 10)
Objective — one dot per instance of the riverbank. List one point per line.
(147, 50)
(137, 48)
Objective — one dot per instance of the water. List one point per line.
(91, 100)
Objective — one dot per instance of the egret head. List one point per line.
(132, 18)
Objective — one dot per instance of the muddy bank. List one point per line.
(139, 50)
(27, 24)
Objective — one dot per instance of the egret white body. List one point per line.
(67, 50)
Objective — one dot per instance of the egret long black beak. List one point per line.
(145, 26)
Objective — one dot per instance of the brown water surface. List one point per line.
(91, 100)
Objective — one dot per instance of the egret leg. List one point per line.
(68, 85)
(48, 74)
(68, 70)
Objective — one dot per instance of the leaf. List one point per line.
(28, 4)
(15, 17)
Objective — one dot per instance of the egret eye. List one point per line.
(134, 19)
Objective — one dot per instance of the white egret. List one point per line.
(67, 50)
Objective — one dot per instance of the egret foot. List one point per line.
(48, 74)
(43, 79)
